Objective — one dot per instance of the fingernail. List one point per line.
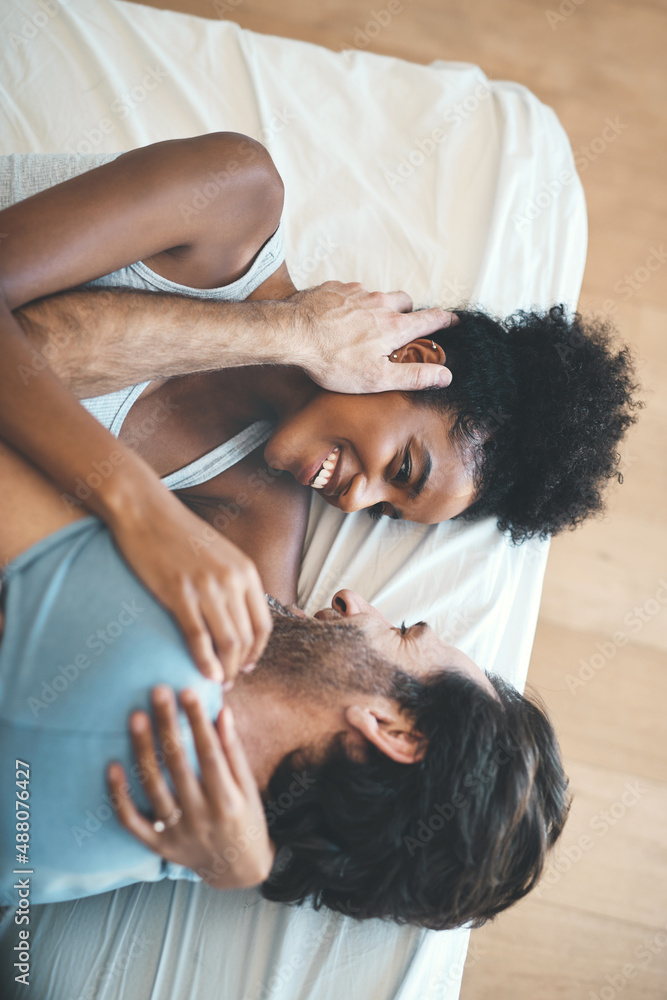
(227, 686)
(137, 723)
(216, 673)
(248, 669)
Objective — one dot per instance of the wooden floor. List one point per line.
(597, 928)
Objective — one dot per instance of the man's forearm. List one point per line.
(100, 341)
(343, 337)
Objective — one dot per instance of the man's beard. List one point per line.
(311, 658)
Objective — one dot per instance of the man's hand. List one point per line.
(346, 336)
(206, 821)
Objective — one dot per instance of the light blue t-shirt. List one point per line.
(84, 643)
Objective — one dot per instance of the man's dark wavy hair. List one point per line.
(550, 396)
(453, 839)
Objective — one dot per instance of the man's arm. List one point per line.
(100, 340)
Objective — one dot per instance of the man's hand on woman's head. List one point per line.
(214, 824)
(346, 335)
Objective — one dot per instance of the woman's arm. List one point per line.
(214, 824)
(119, 213)
(138, 207)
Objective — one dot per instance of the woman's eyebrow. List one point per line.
(419, 485)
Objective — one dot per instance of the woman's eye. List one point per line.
(380, 510)
(403, 474)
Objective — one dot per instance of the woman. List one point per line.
(527, 431)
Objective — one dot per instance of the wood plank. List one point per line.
(607, 700)
(612, 860)
(541, 951)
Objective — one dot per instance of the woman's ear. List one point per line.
(423, 351)
(388, 728)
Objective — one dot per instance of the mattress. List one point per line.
(433, 179)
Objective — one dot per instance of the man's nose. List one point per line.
(359, 494)
(348, 603)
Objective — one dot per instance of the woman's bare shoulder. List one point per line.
(264, 512)
(212, 199)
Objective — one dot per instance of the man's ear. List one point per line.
(390, 730)
(423, 351)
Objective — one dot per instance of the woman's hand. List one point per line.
(210, 587)
(214, 825)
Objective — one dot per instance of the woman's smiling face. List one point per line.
(387, 453)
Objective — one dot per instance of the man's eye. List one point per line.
(403, 474)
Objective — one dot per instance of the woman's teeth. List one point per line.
(326, 471)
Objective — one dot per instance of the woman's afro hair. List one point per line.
(541, 400)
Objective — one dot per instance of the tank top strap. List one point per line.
(112, 408)
(221, 458)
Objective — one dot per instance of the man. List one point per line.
(395, 779)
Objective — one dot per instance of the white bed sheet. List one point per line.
(486, 209)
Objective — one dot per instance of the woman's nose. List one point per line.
(348, 603)
(358, 495)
